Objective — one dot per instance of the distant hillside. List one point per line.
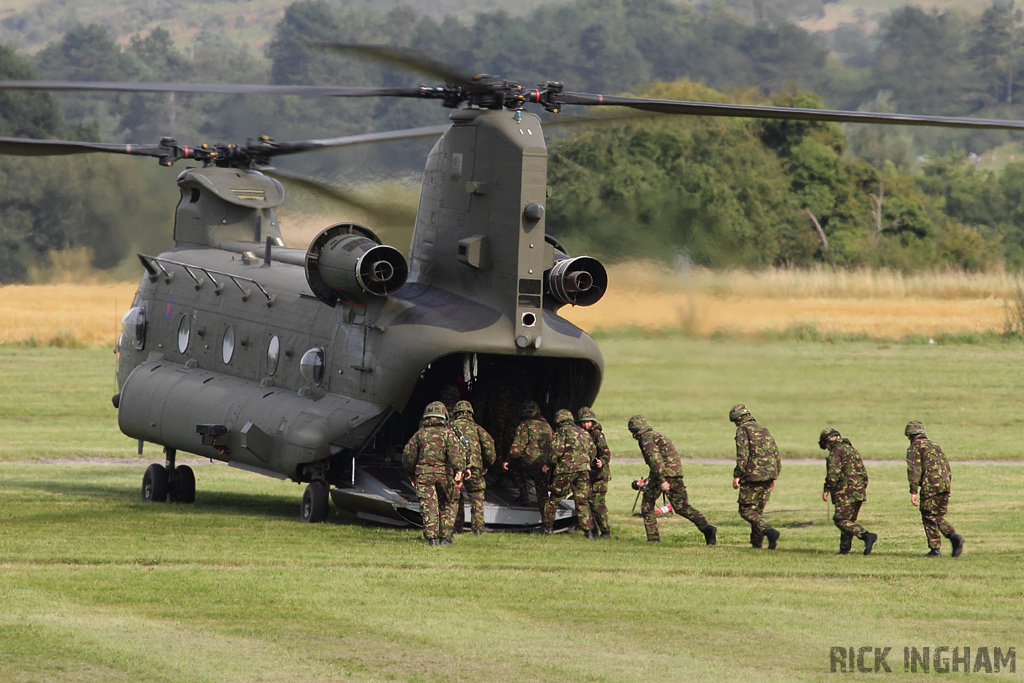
(868, 11)
(29, 25)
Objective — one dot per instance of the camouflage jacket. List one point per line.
(531, 444)
(572, 449)
(845, 476)
(476, 443)
(433, 449)
(604, 472)
(660, 455)
(927, 468)
(757, 456)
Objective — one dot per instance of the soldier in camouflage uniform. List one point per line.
(757, 467)
(846, 480)
(530, 451)
(572, 449)
(435, 461)
(600, 471)
(929, 473)
(479, 449)
(666, 477)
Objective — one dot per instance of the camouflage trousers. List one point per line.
(754, 496)
(577, 483)
(438, 502)
(845, 518)
(676, 495)
(599, 505)
(933, 516)
(473, 489)
(541, 483)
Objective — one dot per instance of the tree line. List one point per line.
(716, 192)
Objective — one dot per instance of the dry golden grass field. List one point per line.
(698, 303)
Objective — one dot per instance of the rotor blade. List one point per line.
(786, 113)
(407, 60)
(384, 211)
(212, 88)
(29, 147)
(283, 148)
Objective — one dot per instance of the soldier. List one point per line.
(757, 467)
(479, 449)
(600, 471)
(435, 461)
(928, 472)
(530, 452)
(847, 482)
(666, 477)
(572, 449)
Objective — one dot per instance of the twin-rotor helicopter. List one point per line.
(315, 364)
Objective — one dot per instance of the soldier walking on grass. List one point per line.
(846, 480)
(530, 452)
(666, 477)
(757, 468)
(571, 452)
(479, 449)
(929, 473)
(435, 461)
(600, 471)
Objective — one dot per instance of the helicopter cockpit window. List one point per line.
(312, 365)
(133, 327)
(183, 334)
(273, 352)
(228, 346)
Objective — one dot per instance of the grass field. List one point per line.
(97, 586)
(699, 303)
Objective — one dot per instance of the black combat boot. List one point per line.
(546, 530)
(710, 534)
(934, 552)
(477, 532)
(606, 534)
(654, 540)
(773, 537)
(447, 540)
(431, 541)
(869, 541)
(958, 544)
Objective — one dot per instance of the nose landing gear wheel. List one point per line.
(154, 484)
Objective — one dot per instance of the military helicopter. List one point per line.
(314, 365)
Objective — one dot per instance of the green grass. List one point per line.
(97, 586)
(966, 395)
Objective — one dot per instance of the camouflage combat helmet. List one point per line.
(637, 424)
(463, 407)
(563, 415)
(435, 409)
(826, 435)
(913, 428)
(530, 409)
(586, 414)
(738, 412)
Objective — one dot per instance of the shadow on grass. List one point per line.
(208, 503)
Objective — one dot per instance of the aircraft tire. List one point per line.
(314, 503)
(184, 490)
(154, 484)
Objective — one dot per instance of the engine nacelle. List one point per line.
(580, 281)
(347, 262)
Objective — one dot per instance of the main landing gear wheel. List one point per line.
(183, 485)
(314, 502)
(155, 484)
